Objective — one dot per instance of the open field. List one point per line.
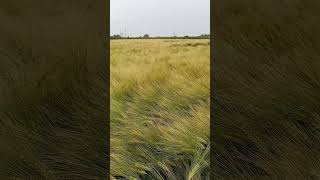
(160, 98)
(266, 90)
(53, 115)
(53, 91)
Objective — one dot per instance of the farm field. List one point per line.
(160, 109)
(53, 114)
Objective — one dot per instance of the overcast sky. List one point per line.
(160, 17)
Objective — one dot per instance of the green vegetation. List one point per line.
(160, 115)
(266, 90)
(53, 90)
(53, 116)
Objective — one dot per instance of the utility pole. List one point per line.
(174, 34)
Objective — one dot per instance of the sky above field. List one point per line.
(160, 17)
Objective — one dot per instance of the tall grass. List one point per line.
(53, 117)
(160, 109)
(53, 90)
(53, 114)
(266, 100)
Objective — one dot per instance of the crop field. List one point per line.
(160, 109)
(266, 84)
(53, 117)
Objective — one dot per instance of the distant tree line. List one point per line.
(147, 36)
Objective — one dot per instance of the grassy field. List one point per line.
(53, 116)
(266, 84)
(160, 98)
(53, 91)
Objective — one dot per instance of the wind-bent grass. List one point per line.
(266, 90)
(160, 98)
(53, 91)
(52, 120)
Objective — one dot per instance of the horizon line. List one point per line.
(159, 35)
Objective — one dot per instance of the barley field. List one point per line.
(160, 109)
(53, 116)
(265, 94)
